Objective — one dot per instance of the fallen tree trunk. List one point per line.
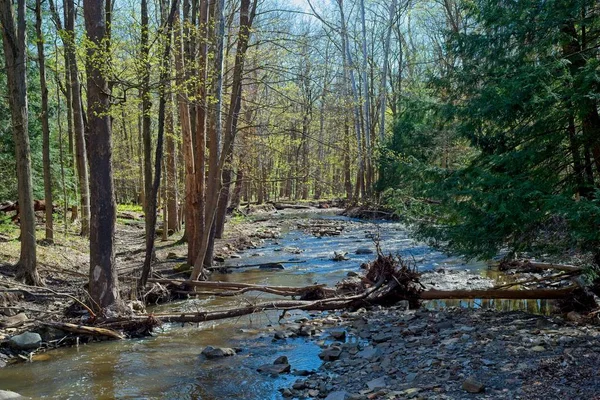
(496, 294)
(234, 289)
(282, 206)
(535, 266)
(336, 303)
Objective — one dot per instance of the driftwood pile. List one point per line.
(388, 280)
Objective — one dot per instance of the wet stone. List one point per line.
(331, 354)
(211, 352)
(281, 360)
(338, 334)
(274, 369)
(377, 383)
(472, 385)
(26, 341)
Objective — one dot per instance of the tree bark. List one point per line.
(78, 123)
(235, 104)
(186, 135)
(349, 78)
(15, 57)
(146, 118)
(45, 127)
(103, 285)
(215, 132)
(151, 206)
(384, 71)
(171, 186)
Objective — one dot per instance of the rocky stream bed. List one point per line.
(436, 352)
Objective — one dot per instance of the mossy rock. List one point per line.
(183, 267)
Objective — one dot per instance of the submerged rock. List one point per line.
(364, 250)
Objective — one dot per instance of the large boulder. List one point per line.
(7, 395)
(26, 341)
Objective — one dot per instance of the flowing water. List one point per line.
(168, 365)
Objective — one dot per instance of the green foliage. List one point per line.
(512, 97)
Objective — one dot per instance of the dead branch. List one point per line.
(85, 330)
(542, 279)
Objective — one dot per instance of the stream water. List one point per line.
(169, 364)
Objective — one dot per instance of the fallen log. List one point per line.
(497, 294)
(232, 285)
(85, 330)
(535, 266)
(338, 303)
(259, 265)
(282, 206)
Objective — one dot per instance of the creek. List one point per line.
(169, 364)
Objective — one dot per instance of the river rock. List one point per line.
(364, 250)
(338, 395)
(338, 334)
(369, 353)
(472, 385)
(377, 383)
(281, 360)
(274, 369)
(26, 341)
(14, 321)
(7, 395)
(331, 354)
(211, 352)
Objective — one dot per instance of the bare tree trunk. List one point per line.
(171, 170)
(214, 178)
(78, 124)
(186, 134)
(104, 289)
(235, 105)
(151, 206)
(366, 95)
(45, 127)
(146, 118)
(198, 210)
(15, 51)
(349, 74)
(236, 197)
(384, 71)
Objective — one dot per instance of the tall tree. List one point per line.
(247, 13)
(215, 134)
(78, 123)
(104, 288)
(15, 58)
(45, 125)
(158, 160)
